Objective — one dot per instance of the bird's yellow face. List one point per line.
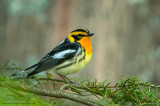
(83, 37)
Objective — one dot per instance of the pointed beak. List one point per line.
(91, 34)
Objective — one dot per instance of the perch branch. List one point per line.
(57, 94)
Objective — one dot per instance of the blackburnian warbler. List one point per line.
(70, 56)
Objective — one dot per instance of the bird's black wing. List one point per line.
(63, 52)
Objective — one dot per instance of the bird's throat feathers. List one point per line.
(86, 43)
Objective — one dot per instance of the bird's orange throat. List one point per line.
(86, 43)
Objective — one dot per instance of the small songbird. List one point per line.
(70, 56)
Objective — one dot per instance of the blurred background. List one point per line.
(126, 41)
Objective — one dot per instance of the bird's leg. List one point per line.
(69, 83)
(67, 80)
(66, 85)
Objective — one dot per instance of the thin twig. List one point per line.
(57, 80)
(73, 84)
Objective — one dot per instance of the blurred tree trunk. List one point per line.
(113, 27)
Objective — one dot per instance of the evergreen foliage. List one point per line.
(128, 91)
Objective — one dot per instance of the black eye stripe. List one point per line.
(76, 37)
(80, 35)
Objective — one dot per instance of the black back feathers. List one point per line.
(49, 61)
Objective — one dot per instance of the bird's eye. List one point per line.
(80, 35)
(76, 37)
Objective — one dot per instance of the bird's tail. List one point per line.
(24, 73)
